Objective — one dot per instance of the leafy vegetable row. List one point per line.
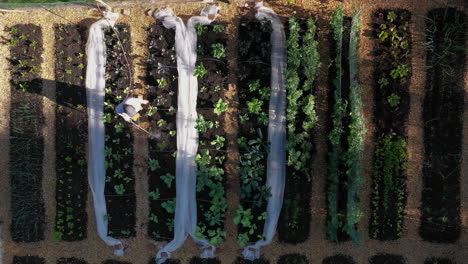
(303, 66)
(120, 186)
(71, 134)
(254, 94)
(26, 139)
(211, 71)
(391, 28)
(161, 115)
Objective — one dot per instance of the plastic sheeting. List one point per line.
(276, 166)
(95, 84)
(187, 135)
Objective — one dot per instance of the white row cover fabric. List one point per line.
(187, 136)
(276, 166)
(95, 84)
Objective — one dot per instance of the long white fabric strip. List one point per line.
(276, 166)
(187, 136)
(95, 84)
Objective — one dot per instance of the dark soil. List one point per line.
(169, 261)
(387, 259)
(121, 205)
(28, 260)
(213, 86)
(162, 66)
(443, 129)
(70, 261)
(111, 261)
(438, 261)
(390, 121)
(197, 260)
(293, 259)
(254, 66)
(338, 259)
(261, 260)
(345, 90)
(71, 133)
(26, 141)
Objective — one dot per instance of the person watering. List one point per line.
(128, 109)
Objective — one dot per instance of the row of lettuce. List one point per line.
(443, 107)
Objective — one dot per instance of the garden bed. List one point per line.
(197, 260)
(120, 185)
(438, 261)
(391, 94)
(443, 125)
(71, 261)
(71, 134)
(261, 260)
(26, 139)
(211, 71)
(387, 259)
(162, 94)
(293, 259)
(338, 259)
(253, 94)
(347, 132)
(28, 260)
(303, 66)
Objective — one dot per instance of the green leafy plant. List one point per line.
(255, 106)
(383, 82)
(393, 100)
(218, 28)
(400, 72)
(200, 71)
(169, 205)
(218, 143)
(168, 178)
(218, 51)
(220, 107)
(153, 164)
(200, 29)
(162, 83)
(154, 195)
(119, 189)
(203, 125)
(392, 16)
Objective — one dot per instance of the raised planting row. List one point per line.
(293, 259)
(198, 260)
(303, 66)
(71, 134)
(443, 125)
(161, 88)
(253, 94)
(338, 259)
(386, 259)
(120, 185)
(211, 71)
(26, 139)
(347, 132)
(71, 261)
(28, 260)
(391, 95)
(438, 261)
